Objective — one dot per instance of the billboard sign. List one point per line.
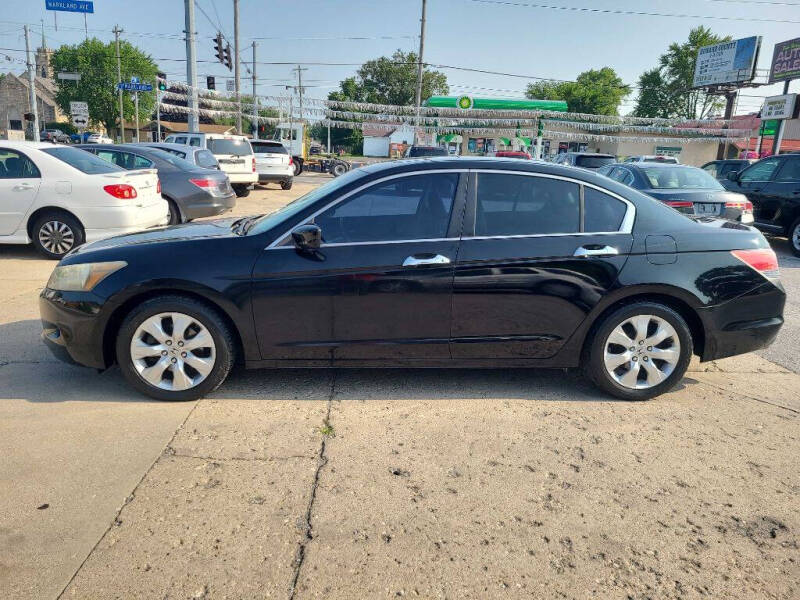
(728, 62)
(778, 107)
(78, 6)
(785, 61)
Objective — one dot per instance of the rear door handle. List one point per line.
(418, 260)
(22, 187)
(595, 250)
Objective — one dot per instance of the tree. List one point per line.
(666, 91)
(597, 92)
(97, 64)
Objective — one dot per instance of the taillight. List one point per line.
(679, 204)
(743, 205)
(158, 186)
(121, 190)
(204, 183)
(762, 260)
(291, 161)
(254, 164)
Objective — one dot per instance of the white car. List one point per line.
(99, 138)
(233, 153)
(273, 163)
(59, 197)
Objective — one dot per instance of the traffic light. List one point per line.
(162, 81)
(228, 62)
(28, 116)
(219, 52)
(211, 84)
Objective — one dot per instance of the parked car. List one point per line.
(719, 169)
(686, 189)
(233, 152)
(273, 163)
(98, 138)
(55, 136)
(80, 138)
(773, 186)
(191, 191)
(512, 154)
(585, 160)
(425, 151)
(443, 262)
(59, 197)
(200, 157)
(653, 158)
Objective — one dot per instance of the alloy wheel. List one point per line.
(795, 237)
(56, 237)
(641, 352)
(172, 351)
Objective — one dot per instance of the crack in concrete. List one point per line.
(741, 395)
(128, 500)
(306, 525)
(242, 458)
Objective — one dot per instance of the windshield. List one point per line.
(269, 221)
(82, 160)
(229, 146)
(680, 178)
(426, 151)
(593, 162)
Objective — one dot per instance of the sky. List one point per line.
(513, 37)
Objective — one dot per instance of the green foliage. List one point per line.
(666, 90)
(97, 64)
(597, 92)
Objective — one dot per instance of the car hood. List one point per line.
(708, 195)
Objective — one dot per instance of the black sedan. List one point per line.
(433, 262)
(191, 191)
(687, 189)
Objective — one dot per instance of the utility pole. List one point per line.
(730, 99)
(255, 98)
(32, 85)
(136, 104)
(117, 31)
(300, 88)
(420, 59)
(776, 145)
(236, 67)
(191, 68)
(329, 138)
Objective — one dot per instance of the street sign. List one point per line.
(77, 6)
(135, 87)
(779, 107)
(134, 79)
(728, 62)
(229, 85)
(79, 108)
(80, 121)
(70, 76)
(785, 61)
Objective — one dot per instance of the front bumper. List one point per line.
(71, 327)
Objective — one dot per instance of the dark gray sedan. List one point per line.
(191, 191)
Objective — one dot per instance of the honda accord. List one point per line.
(436, 262)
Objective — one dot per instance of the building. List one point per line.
(383, 141)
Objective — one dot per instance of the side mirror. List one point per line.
(307, 237)
(733, 175)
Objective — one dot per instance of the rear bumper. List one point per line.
(71, 328)
(242, 178)
(103, 222)
(208, 206)
(744, 324)
(267, 177)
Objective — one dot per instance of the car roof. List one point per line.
(600, 154)
(180, 147)
(655, 165)
(276, 142)
(23, 145)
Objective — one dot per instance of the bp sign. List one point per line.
(464, 102)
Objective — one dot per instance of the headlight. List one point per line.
(82, 278)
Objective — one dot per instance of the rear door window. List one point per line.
(194, 141)
(14, 165)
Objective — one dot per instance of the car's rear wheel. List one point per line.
(639, 351)
(286, 185)
(338, 169)
(242, 191)
(175, 348)
(174, 213)
(54, 234)
(794, 237)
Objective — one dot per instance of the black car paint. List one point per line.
(500, 302)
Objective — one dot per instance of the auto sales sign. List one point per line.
(785, 61)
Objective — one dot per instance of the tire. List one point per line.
(298, 167)
(217, 354)
(56, 233)
(648, 373)
(174, 213)
(242, 191)
(286, 185)
(338, 169)
(794, 237)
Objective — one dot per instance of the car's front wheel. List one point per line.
(794, 237)
(175, 348)
(55, 233)
(639, 351)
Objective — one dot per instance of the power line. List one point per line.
(641, 13)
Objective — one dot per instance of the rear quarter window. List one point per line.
(601, 212)
(83, 161)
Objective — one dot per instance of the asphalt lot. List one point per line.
(383, 483)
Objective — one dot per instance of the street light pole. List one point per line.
(236, 66)
(193, 120)
(117, 31)
(31, 85)
(255, 98)
(418, 98)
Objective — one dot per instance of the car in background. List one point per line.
(773, 186)
(311, 150)
(394, 264)
(99, 138)
(197, 156)
(653, 158)
(233, 153)
(55, 136)
(512, 154)
(59, 197)
(585, 160)
(719, 169)
(191, 191)
(273, 163)
(425, 151)
(687, 189)
(81, 138)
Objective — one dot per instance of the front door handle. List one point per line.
(418, 260)
(595, 250)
